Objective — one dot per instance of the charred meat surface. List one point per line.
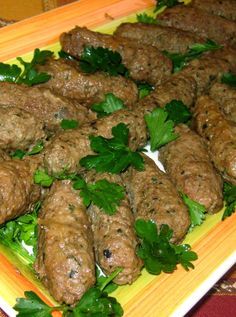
(87, 89)
(220, 135)
(65, 260)
(188, 164)
(145, 63)
(154, 197)
(163, 37)
(200, 22)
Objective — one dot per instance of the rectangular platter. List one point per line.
(214, 241)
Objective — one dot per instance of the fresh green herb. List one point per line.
(69, 124)
(197, 211)
(102, 59)
(144, 89)
(104, 194)
(42, 178)
(22, 232)
(108, 106)
(101, 278)
(114, 155)
(161, 130)
(195, 51)
(156, 250)
(229, 193)
(166, 4)
(229, 79)
(29, 76)
(95, 302)
(20, 154)
(145, 18)
(65, 55)
(177, 112)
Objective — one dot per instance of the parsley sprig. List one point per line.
(177, 112)
(95, 302)
(114, 155)
(156, 250)
(166, 4)
(144, 89)
(29, 75)
(102, 59)
(195, 51)
(229, 79)
(20, 154)
(229, 194)
(110, 104)
(145, 18)
(67, 124)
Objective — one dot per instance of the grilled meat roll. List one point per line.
(144, 63)
(225, 8)
(163, 37)
(44, 105)
(200, 22)
(154, 197)
(220, 135)
(114, 238)
(18, 192)
(227, 54)
(65, 260)
(226, 98)
(87, 89)
(188, 165)
(19, 129)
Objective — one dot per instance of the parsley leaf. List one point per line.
(108, 106)
(102, 59)
(114, 155)
(177, 112)
(65, 55)
(156, 250)
(101, 278)
(9, 73)
(106, 195)
(144, 89)
(229, 79)
(69, 124)
(20, 154)
(197, 211)
(42, 178)
(229, 194)
(145, 18)
(195, 51)
(166, 3)
(160, 128)
(21, 232)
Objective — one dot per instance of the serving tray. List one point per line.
(214, 241)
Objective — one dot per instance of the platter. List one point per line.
(214, 241)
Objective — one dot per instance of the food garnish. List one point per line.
(145, 18)
(196, 211)
(156, 250)
(177, 112)
(102, 59)
(114, 155)
(144, 89)
(110, 104)
(20, 154)
(67, 124)
(229, 79)
(229, 194)
(166, 4)
(29, 75)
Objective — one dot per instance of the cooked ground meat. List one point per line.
(200, 22)
(154, 197)
(223, 8)
(87, 89)
(163, 37)
(227, 54)
(145, 63)
(19, 129)
(220, 135)
(188, 164)
(226, 98)
(18, 192)
(65, 260)
(43, 104)
(114, 238)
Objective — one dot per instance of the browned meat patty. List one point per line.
(154, 197)
(65, 260)
(205, 71)
(114, 238)
(200, 22)
(220, 135)
(145, 63)
(163, 37)
(227, 54)
(43, 104)
(18, 192)
(223, 8)
(87, 89)
(19, 129)
(188, 164)
(66, 149)
(226, 98)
